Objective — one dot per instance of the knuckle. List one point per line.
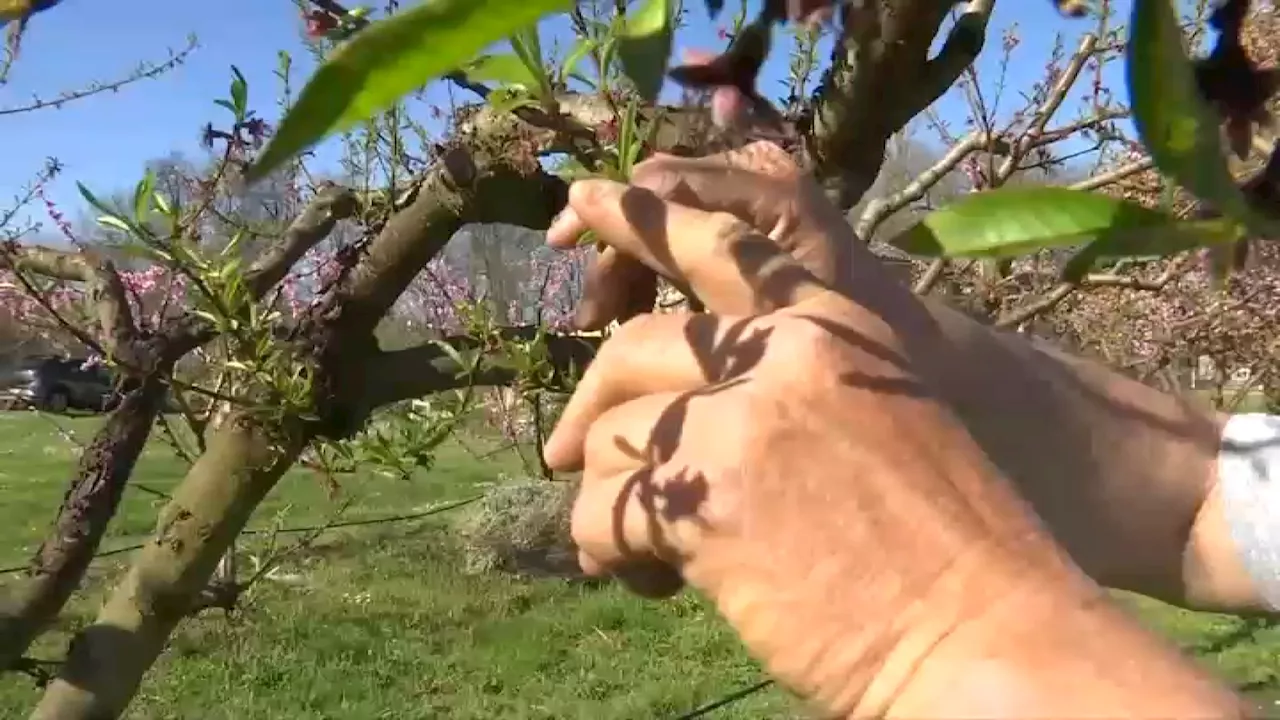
(658, 177)
(807, 347)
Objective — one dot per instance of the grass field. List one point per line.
(380, 622)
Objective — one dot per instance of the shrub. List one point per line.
(521, 527)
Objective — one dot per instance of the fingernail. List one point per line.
(560, 224)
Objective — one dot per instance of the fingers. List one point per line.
(653, 354)
(646, 578)
(756, 183)
(615, 287)
(729, 266)
(615, 522)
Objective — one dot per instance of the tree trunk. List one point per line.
(87, 509)
(107, 660)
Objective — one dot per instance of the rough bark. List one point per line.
(881, 76)
(107, 660)
(95, 489)
(91, 500)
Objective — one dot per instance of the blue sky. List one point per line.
(104, 141)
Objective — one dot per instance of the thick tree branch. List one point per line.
(880, 77)
(91, 500)
(464, 186)
(681, 131)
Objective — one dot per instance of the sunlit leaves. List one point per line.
(389, 59)
(644, 46)
(1018, 221)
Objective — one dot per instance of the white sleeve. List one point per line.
(1249, 480)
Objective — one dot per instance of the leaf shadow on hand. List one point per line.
(726, 352)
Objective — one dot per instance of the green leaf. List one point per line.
(226, 104)
(503, 69)
(114, 221)
(588, 82)
(1175, 125)
(580, 50)
(528, 47)
(389, 59)
(162, 204)
(626, 140)
(644, 47)
(1016, 221)
(239, 94)
(93, 200)
(142, 194)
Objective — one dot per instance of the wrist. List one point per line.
(1058, 648)
(1234, 547)
(1118, 470)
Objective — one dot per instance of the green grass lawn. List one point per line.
(379, 621)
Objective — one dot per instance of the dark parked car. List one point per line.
(59, 384)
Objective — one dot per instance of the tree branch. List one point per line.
(430, 368)
(880, 77)
(308, 229)
(1114, 176)
(105, 290)
(87, 508)
(879, 209)
(464, 186)
(1064, 290)
(1033, 136)
(577, 118)
(105, 466)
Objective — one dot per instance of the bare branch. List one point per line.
(1114, 176)
(307, 230)
(145, 71)
(879, 209)
(1064, 290)
(104, 289)
(930, 276)
(1033, 136)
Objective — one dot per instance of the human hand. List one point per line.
(760, 185)
(719, 446)
(887, 569)
(1118, 471)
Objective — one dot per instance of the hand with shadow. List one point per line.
(789, 454)
(1123, 474)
